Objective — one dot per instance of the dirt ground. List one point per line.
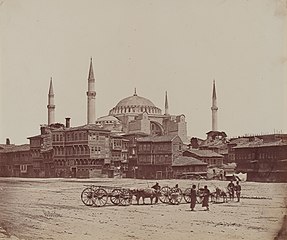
(52, 209)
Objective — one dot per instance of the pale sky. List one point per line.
(155, 46)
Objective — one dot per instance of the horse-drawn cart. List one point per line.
(98, 196)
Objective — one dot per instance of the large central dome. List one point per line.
(134, 105)
(135, 100)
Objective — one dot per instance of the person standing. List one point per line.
(193, 197)
(238, 191)
(205, 201)
(157, 188)
(230, 188)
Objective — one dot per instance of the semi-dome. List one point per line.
(135, 104)
(107, 119)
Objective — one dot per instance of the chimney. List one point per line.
(7, 141)
(43, 130)
(68, 122)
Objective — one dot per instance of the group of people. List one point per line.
(234, 189)
(205, 193)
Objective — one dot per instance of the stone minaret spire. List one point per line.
(214, 108)
(51, 105)
(91, 94)
(166, 104)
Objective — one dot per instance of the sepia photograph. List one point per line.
(143, 119)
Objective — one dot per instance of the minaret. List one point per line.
(166, 104)
(214, 108)
(91, 94)
(51, 105)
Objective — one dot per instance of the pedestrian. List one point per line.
(205, 201)
(156, 187)
(230, 188)
(237, 191)
(193, 197)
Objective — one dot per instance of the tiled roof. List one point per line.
(135, 133)
(187, 161)
(6, 146)
(164, 138)
(261, 144)
(36, 136)
(204, 153)
(217, 143)
(84, 127)
(17, 148)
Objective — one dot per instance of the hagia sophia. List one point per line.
(138, 114)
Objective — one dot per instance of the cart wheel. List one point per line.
(115, 196)
(100, 197)
(175, 196)
(87, 196)
(125, 197)
(187, 195)
(164, 194)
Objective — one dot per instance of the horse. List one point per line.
(145, 193)
(219, 193)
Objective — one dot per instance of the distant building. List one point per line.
(212, 158)
(184, 166)
(262, 161)
(15, 160)
(132, 171)
(156, 155)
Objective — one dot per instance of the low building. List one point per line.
(15, 161)
(262, 161)
(212, 158)
(184, 166)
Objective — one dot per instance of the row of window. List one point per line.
(249, 156)
(63, 162)
(213, 161)
(96, 150)
(154, 158)
(136, 109)
(157, 147)
(71, 151)
(75, 136)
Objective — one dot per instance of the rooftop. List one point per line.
(16, 148)
(260, 143)
(204, 153)
(187, 161)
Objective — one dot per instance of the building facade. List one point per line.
(262, 161)
(135, 114)
(187, 166)
(156, 155)
(15, 160)
(212, 158)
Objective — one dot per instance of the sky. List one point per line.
(156, 46)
